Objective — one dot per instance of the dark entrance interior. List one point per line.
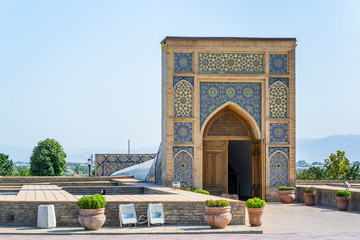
(239, 169)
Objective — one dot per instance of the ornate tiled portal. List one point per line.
(278, 166)
(252, 80)
(215, 94)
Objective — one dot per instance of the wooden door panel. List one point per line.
(215, 164)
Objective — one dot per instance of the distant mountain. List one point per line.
(315, 150)
(18, 154)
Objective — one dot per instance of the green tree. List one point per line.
(353, 173)
(47, 159)
(77, 169)
(6, 165)
(337, 165)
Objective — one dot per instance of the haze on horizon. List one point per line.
(87, 73)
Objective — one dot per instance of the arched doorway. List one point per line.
(232, 155)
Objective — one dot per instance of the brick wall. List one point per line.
(25, 214)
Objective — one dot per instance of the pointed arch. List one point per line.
(250, 121)
(278, 169)
(183, 167)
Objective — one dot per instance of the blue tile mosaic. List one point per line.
(183, 131)
(183, 148)
(278, 98)
(183, 62)
(183, 100)
(215, 94)
(283, 80)
(183, 168)
(231, 62)
(278, 132)
(278, 63)
(278, 166)
(106, 164)
(190, 80)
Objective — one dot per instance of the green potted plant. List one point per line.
(92, 209)
(217, 213)
(286, 194)
(255, 207)
(342, 198)
(309, 196)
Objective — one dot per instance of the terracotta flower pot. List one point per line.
(217, 217)
(287, 196)
(92, 219)
(255, 216)
(309, 199)
(343, 203)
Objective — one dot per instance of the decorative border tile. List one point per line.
(190, 80)
(215, 94)
(231, 62)
(278, 63)
(183, 131)
(106, 164)
(183, 62)
(278, 132)
(177, 149)
(183, 168)
(278, 166)
(278, 98)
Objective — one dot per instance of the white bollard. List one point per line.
(46, 216)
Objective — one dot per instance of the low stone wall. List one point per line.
(323, 182)
(25, 214)
(33, 179)
(109, 190)
(326, 196)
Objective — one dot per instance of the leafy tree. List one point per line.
(77, 169)
(353, 173)
(313, 173)
(337, 165)
(47, 159)
(6, 165)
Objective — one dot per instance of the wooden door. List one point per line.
(258, 169)
(215, 169)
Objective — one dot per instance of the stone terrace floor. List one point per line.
(281, 221)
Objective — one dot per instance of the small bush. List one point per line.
(285, 188)
(217, 203)
(96, 201)
(310, 190)
(343, 193)
(202, 191)
(255, 203)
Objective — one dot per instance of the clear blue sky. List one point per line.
(87, 73)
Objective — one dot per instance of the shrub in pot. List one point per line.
(309, 196)
(217, 213)
(92, 211)
(342, 198)
(286, 194)
(255, 207)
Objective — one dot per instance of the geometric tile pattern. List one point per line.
(283, 80)
(278, 166)
(106, 164)
(183, 97)
(182, 148)
(183, 168)
(183, 131)
(183, 62)
(278, 132)
(246, 95)
(278, 100)
(231, 62)
(179, 79)
(278, 63)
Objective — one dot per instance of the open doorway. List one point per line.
(239, 169)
